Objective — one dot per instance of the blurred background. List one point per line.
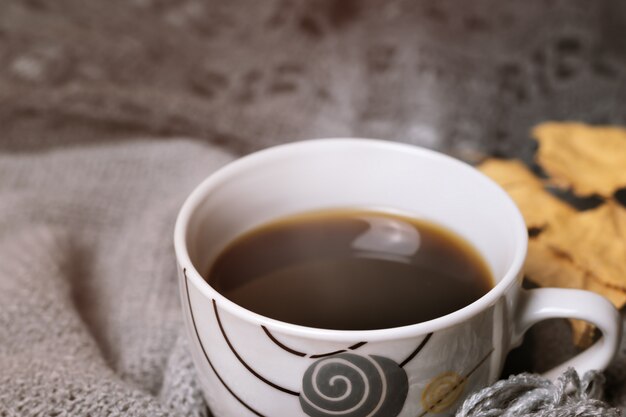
(469, 79)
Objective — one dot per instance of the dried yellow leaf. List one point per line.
(580, 250)
(595, 240)
(537, 205)
(547, 267)
(590, 160)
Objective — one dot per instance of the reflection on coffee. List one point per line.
(350, 270)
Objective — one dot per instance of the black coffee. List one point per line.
(351, 270)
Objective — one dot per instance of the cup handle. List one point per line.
(547, 303)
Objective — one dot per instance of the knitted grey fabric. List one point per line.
(90, 321)
(533, 396)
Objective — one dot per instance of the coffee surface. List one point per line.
(350, 270)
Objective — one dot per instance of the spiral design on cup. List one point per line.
(350, 385)
(442, 391)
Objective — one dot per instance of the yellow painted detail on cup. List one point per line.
(442, 391)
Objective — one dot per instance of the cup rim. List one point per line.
(198, 195)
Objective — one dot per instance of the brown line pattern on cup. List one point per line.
(356, 345)
(416, 351)
(248, 367)
(321, 355)
(302, 354)
(462, 381)
(193, 321)
(279, 344)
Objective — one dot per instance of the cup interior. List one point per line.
(354, 173)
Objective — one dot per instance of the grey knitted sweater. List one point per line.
(90, 321)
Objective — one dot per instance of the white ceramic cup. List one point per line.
(249, 364)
